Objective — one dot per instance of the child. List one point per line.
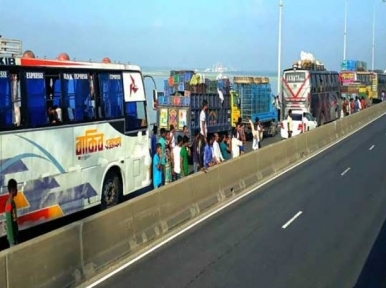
(157, 167)
(184, 157)
(11, 215)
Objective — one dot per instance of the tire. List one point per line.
(111, 190)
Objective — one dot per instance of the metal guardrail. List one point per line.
(10, 47)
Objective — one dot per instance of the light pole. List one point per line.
(345, 31)
(279, 51)
(373, 45)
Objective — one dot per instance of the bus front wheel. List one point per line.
(112, 189)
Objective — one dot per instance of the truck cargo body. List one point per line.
(256, 101)
(185, 110)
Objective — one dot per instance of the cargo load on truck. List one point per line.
(181, 103)
(256, 101)
(353, 65)
(308, 62)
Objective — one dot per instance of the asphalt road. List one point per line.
(339, 240)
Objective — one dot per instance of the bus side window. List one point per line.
(76, 97)
(54, 95)
(317, 77)
(329, 81)
(111, 96)
(36, 98)
(16, 99)
(313, 83)
(135, 116)
(5, 103)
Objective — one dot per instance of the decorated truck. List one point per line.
(180, 103)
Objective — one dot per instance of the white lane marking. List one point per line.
(248, 192)
(345, 171)
(372, 147)
(292, 220)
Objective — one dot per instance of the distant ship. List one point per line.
(218, 68)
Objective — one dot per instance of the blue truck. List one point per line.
(256, 101)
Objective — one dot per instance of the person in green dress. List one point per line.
(184, 157)
(11, 214)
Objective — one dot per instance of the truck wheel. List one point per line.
(112, 189)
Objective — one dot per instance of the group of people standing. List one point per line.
(171, 156)
(351, 106)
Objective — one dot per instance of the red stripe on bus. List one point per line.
(300, 89)
(3, 201)
(43, 62)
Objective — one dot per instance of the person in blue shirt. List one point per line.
(157, 167)
(208, 153)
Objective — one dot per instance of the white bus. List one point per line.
(313, 91)
(72, 134)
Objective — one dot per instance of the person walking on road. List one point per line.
(11, 214)
(236, 143)
(196, 151)
(203, 131)
(277, 105)
(255, 133)
(157, 167)
(289, 123)
(184, 157)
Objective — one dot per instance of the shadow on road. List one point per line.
(373, 274)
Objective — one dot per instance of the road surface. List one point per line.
(332, 209)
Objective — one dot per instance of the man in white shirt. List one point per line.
(289, 123)
(255, 133)
(216, 149)
(203, 125)
(177, 158)
(304, 122)
(203, 131)
(236, 143)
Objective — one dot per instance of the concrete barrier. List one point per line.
(53, 260)
(3, 271)
(74, 254)
(177, 204)
(106, 237)
(205, 189)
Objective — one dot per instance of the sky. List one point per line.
(172, 34)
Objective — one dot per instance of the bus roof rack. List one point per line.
(10, 47)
